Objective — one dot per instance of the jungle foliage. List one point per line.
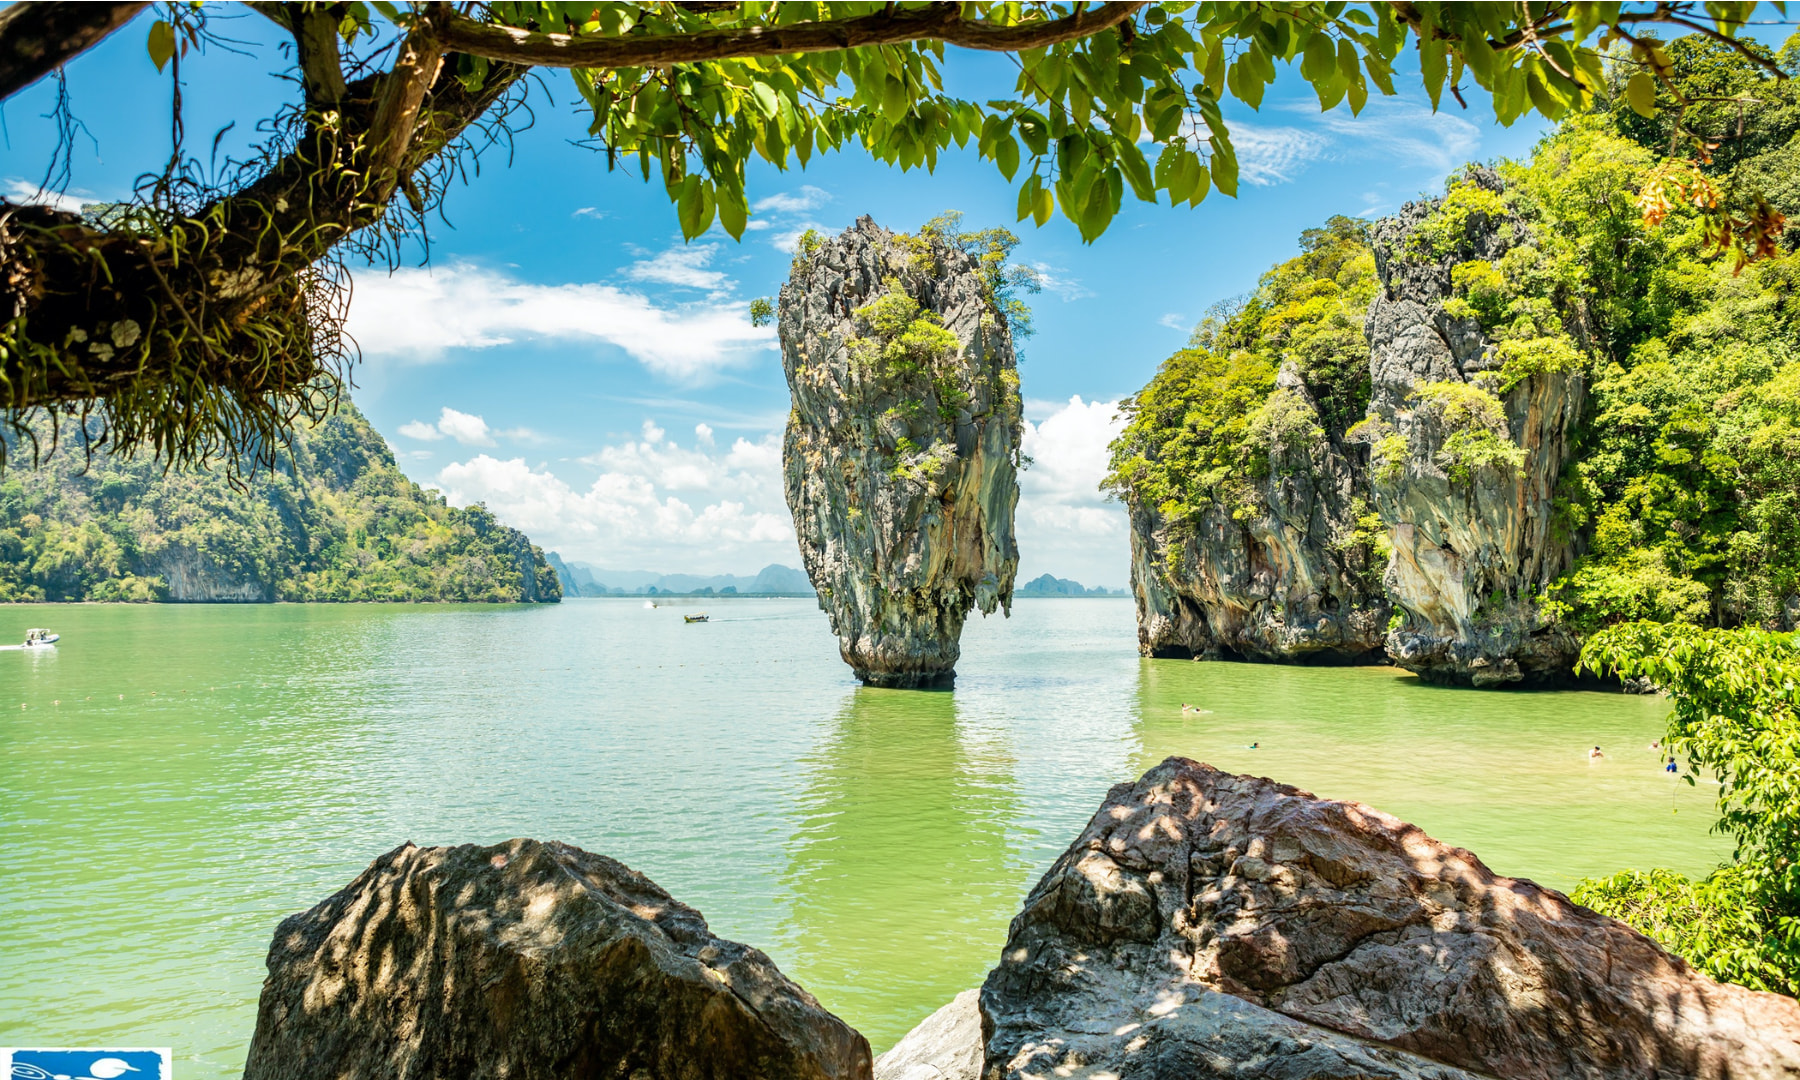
(1684, 493)
(1736, 695)
(338, 522)
(1211, 424)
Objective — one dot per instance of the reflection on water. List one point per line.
(903, 872)
(181, 778)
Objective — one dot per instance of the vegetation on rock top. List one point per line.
(338, 521)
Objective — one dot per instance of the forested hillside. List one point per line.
(1582, 283)
(337, 521)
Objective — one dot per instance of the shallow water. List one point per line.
(211, 769)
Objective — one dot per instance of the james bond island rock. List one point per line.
(902, 448)
(1252, 531)
(1210, 925)
(1469, 432)
(529, 960)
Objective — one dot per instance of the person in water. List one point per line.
(1595, 754)
(1656, 746)
(1670, 767)
(1254, 746)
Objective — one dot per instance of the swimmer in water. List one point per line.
(1670, 767)
(1595, 754)
(1254, 746)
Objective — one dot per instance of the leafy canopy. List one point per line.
(1736, 696)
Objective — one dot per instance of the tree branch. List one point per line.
(38, 37)
(938, 22)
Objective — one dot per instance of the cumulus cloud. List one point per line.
(793, 202)
(1174, 320)
(466, 428)
(655, 503)
(683, 266)
(421, 314)
(1066, 526)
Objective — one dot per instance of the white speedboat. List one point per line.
(40, 639)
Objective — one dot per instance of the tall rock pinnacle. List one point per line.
(903, 444)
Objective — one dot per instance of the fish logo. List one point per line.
(133, 1064)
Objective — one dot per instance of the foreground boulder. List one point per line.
(902, 449)
(530, 961)
(1210, 925)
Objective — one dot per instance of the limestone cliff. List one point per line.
(335, 521)
(1466, 455)
(901, 451)
(1283, 577)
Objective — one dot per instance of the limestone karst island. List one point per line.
(900, 541)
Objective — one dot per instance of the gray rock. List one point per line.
(945, 1046)
(1210, 925)
(1469, 556)
(901, 476)
(1282, 583)
(531, 961)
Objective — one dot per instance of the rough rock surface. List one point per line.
(1210, 925)
(1281, 584)
(531, 961)
(945, 1046)
(900, 457)
(1469, 556)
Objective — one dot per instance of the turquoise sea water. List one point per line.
(181, 778)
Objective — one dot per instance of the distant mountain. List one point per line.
(582, 579)
(335, 521)
(1046, 585)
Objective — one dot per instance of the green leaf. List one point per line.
(690, 208)
(894, 100)
(1006, 155)
(733, 213)
(1137, 170)
(1044, 207)
(1028, 195)
(1316, 62)
(1640, 93)
(162, 43)
(766, 99)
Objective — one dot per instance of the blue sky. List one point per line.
(569, 360)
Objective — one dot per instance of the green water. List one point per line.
(210, 770)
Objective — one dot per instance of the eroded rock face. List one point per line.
(1470, 554)
(529, 960)
(945, 1046)
(1210, 925)
(900, 455)
(1284, 583)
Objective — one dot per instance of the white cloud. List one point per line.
(793, 202)
(20, 190)
(683, 266)
(1065, 525)
(590, 211)
(465, 428)
(1405, 131)
(1275, 155)
(1052, 280)
(417, 429)
(420, 314)
(1174, 320)
(655, 504)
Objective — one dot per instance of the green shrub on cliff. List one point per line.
(1736, 696)
(1209, 424)
(337, 522)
